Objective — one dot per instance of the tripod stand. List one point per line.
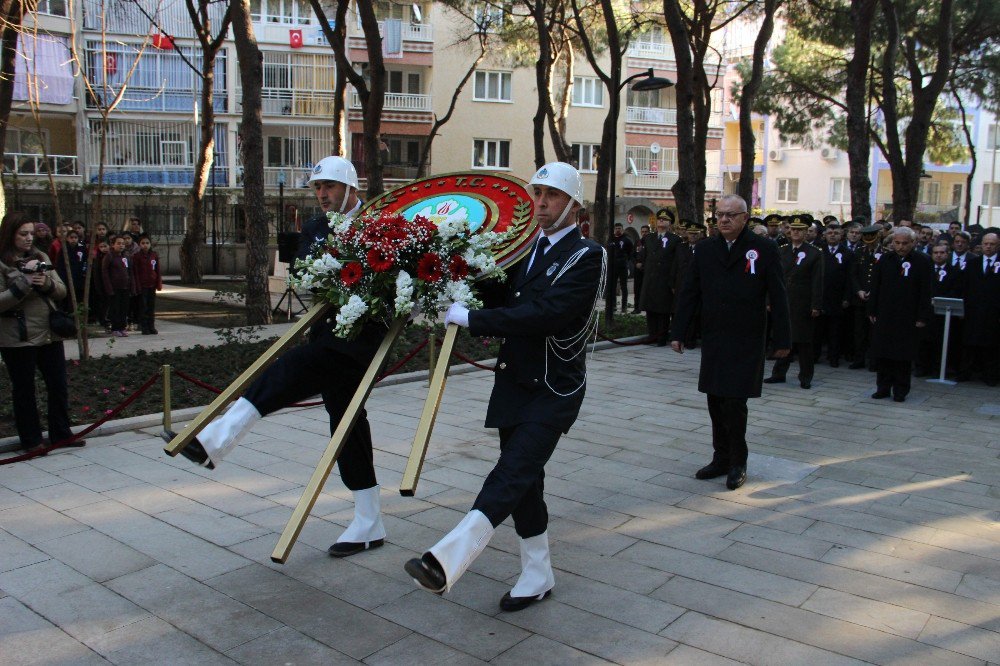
(289, 294)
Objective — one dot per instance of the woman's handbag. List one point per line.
(61, 323)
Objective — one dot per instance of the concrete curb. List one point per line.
(9, 444)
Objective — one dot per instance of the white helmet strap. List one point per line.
(347, 195)
(569, 206)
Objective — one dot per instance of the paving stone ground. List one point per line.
(868, 531)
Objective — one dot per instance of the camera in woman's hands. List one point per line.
(39, 267)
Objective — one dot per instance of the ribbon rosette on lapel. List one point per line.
(751, 266)
(906, 269)
(801, 256)
(840, 257)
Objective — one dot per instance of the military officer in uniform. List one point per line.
(981, 328)
(539, 386)
(861, 285)
(837, 261)
(733, 276)
(685, 254)
(802, 268)
(327, 365)
(657, 300)
(900, 305)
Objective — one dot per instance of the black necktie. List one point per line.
(543, 243)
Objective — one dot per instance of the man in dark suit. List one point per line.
(947, 283)
(733, 276)
(328, 365)
(620, 251)
(900, 305)
(861, 284)
(658, 286)
(639, 270)
(539, 385)
(802, 268)
(837, 260)
(981, 327)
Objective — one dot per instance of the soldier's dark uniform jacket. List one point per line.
(661, 266)
(803, 271)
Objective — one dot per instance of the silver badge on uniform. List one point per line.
(551, 269)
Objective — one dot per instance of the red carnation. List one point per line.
(350, 273)
(429, 267)
(458, 268)
(379, 260)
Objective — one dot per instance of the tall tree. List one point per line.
(211, 43)
(748, 94)
(370, 92)
(258, 299)
(11, 13)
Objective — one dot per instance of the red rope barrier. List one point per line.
(110, 414)
(406, 359)
(462, 357)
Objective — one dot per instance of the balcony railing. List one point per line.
(399, 102)
(290, 102)
(295, 176)
(650, 116)
(654, 50)
(731, 157)
(169, 175)
(411, 32)
(30, 164)
(651, 180)
(403, 171)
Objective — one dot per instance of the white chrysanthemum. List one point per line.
(350, 312)
(325, 265)
(305, 282)
(457, 291)
(453, 225)
(403, 302)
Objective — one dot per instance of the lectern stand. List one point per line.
(948, 307)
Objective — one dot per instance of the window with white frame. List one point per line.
(991, 195)
(52, 7)
(488, 17)
(585, 156)
(290, 12)
(788, 190)
(588, 91)
(929, 192)
(491, 154)
(789, 143)
(957, 194)
(492, 87)
(840, 191)
(402, 82)
(287, 151)
(993, 137)
(646, 99)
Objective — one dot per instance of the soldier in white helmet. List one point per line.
(327, 365)
(540, 380)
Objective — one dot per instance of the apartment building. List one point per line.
(150, 136)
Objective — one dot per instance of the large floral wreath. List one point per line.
(380, 267)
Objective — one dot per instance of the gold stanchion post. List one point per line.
(426, 424)
(165, 371)
(329, 457)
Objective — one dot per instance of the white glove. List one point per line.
(457, 314)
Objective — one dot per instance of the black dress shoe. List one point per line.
(513, 604)
(878, 395)
(805, 384)
(427, 573)
(348, 548)
(774, 380)
(857, 365)
(737, 477)
(194, 451)
(711, 471)
(898, 398)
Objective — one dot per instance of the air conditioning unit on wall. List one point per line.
(775, 155)
(828, 153)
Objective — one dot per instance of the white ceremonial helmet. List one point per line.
(337, 169)
(563, 177)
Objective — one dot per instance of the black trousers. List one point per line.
(981, 360)
(118, 309)
(618, 281)
(637, 287)
(729, 430)
(514, 487)
(894, 375)
(862, 333)
(21, 364)
(147, 313)
(931, 341)
(807, 362)
(314, 368)
(658, 325)
(828, 329)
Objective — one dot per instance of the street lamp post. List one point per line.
(646, 81)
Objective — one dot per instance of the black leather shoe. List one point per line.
(194, 451)
(737, 477)
(857, 365)
(348, 548)
(834, 364)
(427, 573)
(774, 380)
(898, 398)
(878, 395)
(513, 604)
(711, 471)
(805, 384)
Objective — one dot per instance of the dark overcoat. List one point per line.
(734, 299)
(803, 271)
(836, 278)
(900, 297)
(661, 272)
(862, 270)
(685, 252)
(536, 382)
(981, 327)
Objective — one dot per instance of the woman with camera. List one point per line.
(29, 289)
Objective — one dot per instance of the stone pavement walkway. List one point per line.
(868, 532)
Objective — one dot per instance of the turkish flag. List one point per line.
(295, 39)
(163, 42)
(111, 64)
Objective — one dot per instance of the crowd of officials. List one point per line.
(44, 274)
(857, 293)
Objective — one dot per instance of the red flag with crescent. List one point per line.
(295, 39)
